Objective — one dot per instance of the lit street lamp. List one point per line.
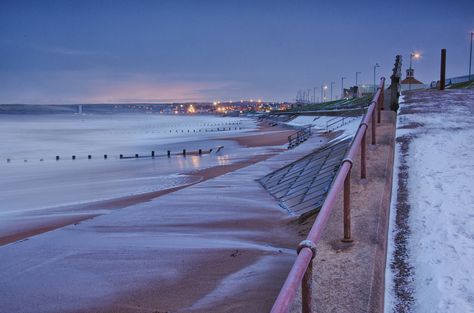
(375, 68)
(323, 92)
(416, 56)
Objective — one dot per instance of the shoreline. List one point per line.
(32, 225)
(221, 245)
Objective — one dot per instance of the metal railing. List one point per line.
(451, 81)
(302, 270)
(342, 119)
(299, 137)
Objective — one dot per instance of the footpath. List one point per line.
(349, 277)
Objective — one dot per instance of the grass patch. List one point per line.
(463, 85)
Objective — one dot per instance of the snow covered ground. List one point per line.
(431, 243)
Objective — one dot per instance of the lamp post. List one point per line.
(413, 55)
(342, 86)
(323, 92)
(375, 68)
(357, 83)
(470, 56)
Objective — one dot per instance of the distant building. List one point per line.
(410, 82)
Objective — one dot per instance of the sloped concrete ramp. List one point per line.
(301, 186)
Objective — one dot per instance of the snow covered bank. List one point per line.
(431, 244)
(348, 126)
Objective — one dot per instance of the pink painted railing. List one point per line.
(302, 270)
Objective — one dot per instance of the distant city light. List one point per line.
(191, 109)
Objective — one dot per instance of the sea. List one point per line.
(60, 160)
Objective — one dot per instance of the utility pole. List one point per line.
(442, 78)
(470, 56)
(342, 86)
(375, 68)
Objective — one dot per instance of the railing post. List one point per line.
(307, 290)
(347, 208)
(363, 168)
(307, 282)
(347, 203)
(373, 126)
(382, 94)
(379, 106)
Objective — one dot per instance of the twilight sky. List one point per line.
(161, 51)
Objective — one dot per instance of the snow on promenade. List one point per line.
(431, 244)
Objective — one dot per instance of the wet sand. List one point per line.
(28, 226)
(268, 136)
(222, 245)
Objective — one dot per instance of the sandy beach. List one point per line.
(220, 243)
(31, 225)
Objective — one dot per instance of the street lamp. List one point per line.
(357, 73)
(342, 86)
(323, 92)
(416, 56)
(470, 57)
(375, 68)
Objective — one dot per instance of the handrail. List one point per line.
(300, 136)
(341, 118)
(301, 271)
